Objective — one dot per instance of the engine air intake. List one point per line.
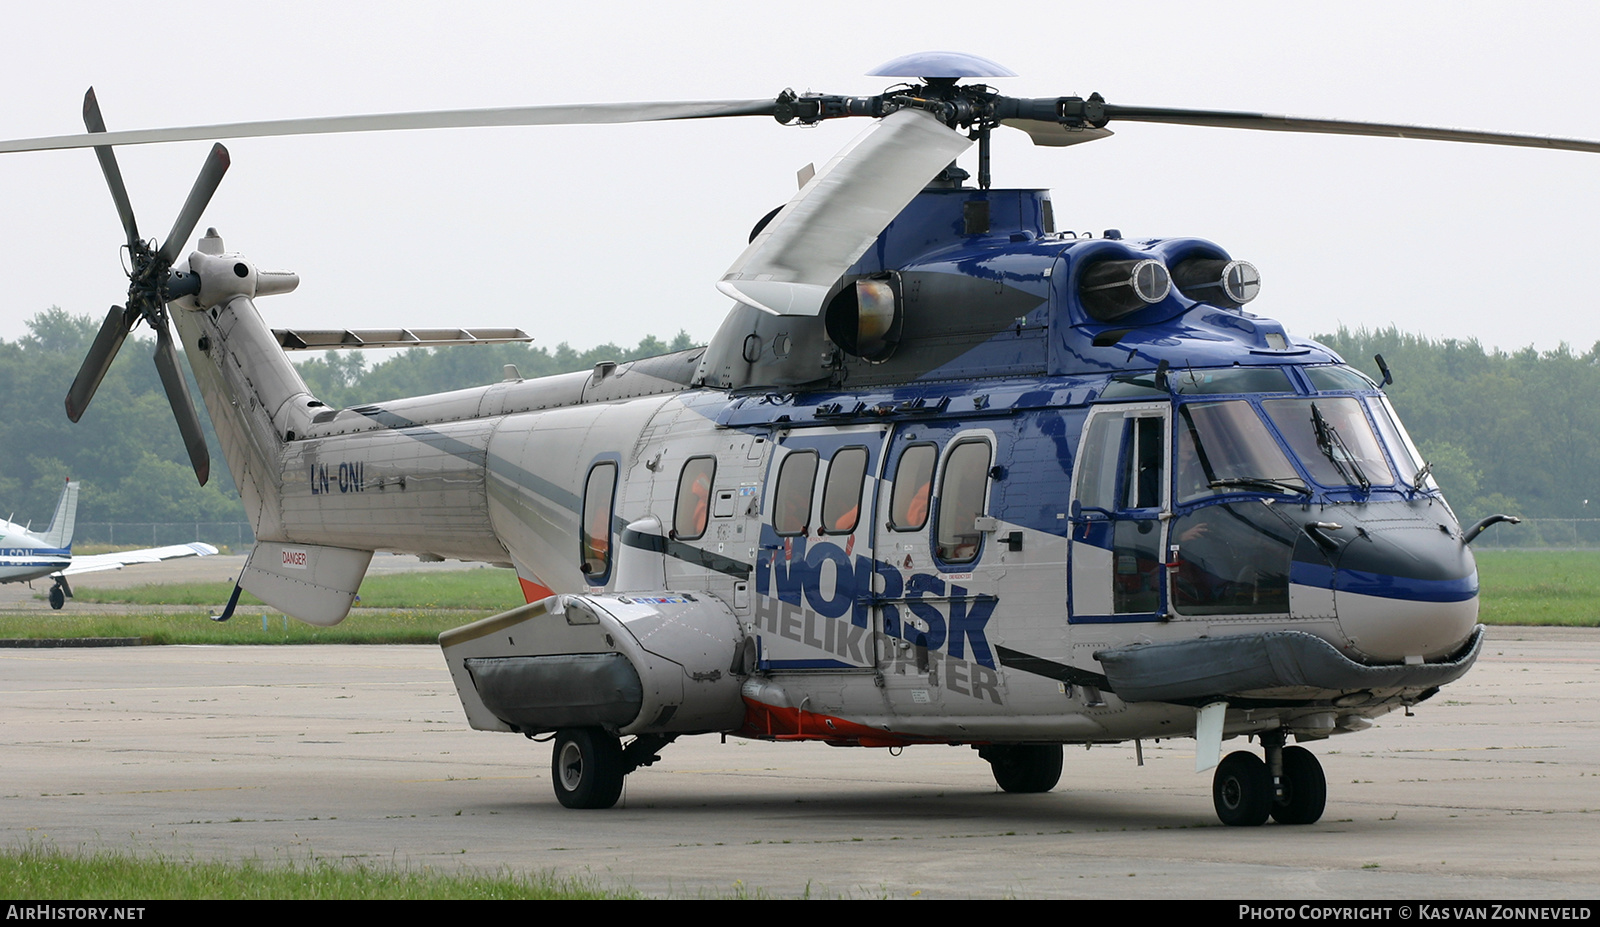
(1110, 290)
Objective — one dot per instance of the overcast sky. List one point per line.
(594, 234)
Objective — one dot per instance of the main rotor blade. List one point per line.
(1269, 122)
(199, 195)
(194, 438)
(563, 114)
(108, 166)
(95, 364)
(790, 266)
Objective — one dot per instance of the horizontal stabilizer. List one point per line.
(306, 581)
(323, 339)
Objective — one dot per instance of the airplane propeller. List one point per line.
(151, 284)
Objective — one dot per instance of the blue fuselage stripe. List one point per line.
(1385, 586)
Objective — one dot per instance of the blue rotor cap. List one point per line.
(942, 64)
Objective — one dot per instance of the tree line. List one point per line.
(1515, 432)
(126, 451)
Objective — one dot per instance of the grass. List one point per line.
(192, 627)
(44, 873)
(1520, 587)
(399, 608)
(1539, 587)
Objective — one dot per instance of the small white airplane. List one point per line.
(25, 556)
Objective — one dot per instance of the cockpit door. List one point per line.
(1120, 509)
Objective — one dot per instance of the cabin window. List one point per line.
(841, 494)
(913, 488)
(594, 532)
(694, 498)
(791, 511)
(961, 501)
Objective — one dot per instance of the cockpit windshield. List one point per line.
(1333, 440)
(1224, 447)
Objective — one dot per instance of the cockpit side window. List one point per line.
(1407, 459)
(1146, 457)
(1097, 463)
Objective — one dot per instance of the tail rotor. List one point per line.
(151, 285)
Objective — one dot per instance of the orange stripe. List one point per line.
(769, 722)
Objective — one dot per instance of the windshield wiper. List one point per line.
(1333, 447)
(1268, 482)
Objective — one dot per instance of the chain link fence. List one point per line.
(1548, 533)
(233, 535)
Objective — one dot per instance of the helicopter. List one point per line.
(944, 475)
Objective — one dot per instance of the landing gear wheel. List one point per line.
(1305, 788)
(57, 598)
(586, 768)
(1024, 767)
(1242, 790)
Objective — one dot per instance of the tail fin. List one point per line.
(59, 534)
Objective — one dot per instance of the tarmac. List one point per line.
(361, 753)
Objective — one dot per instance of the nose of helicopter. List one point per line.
(1405, 585)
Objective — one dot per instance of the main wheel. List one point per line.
(1024, 767)
(1305, 788)
(1241, 789)
(57, 597)
(586, 768)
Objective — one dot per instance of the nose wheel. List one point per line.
(1289, 786)
(1302, 789)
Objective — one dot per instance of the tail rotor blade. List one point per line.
(104, 350)
(199, 196)
(108, 166)
(194, 438)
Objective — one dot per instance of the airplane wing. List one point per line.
(98, 562)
